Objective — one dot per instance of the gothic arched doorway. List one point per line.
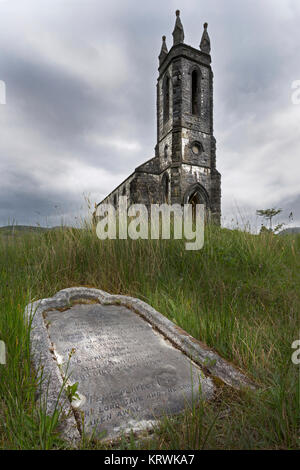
(197, 194)
(194, 200)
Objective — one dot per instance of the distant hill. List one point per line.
(288, 231)
(19, 229)
(22, 228)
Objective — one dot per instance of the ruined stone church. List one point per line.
(183, 169)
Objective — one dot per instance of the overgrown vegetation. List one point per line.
(239, 294)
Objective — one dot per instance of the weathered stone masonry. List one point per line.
(184, 167)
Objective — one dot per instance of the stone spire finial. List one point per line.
(163, 51)
(178, 33)
(205, 41)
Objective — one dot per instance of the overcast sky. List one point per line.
(79, 116)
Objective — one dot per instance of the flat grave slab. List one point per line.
(131, 364)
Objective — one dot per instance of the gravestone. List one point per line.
(131, 365)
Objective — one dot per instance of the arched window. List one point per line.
(165, 188)
(195, 93)
(166, 98)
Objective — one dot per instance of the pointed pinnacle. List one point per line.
(164, 50)
(205, 41)
(178, 33)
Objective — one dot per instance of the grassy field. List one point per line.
(240, 294)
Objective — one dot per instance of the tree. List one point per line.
(268, 214)
(264, 229)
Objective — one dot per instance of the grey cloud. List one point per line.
(81, 80)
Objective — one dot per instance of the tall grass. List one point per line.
(239, 294)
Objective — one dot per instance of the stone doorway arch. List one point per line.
(197, 194)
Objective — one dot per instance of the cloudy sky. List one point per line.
(80, 80)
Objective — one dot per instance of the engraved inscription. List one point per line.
(127, 373)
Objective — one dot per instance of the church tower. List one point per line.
(186, 147)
